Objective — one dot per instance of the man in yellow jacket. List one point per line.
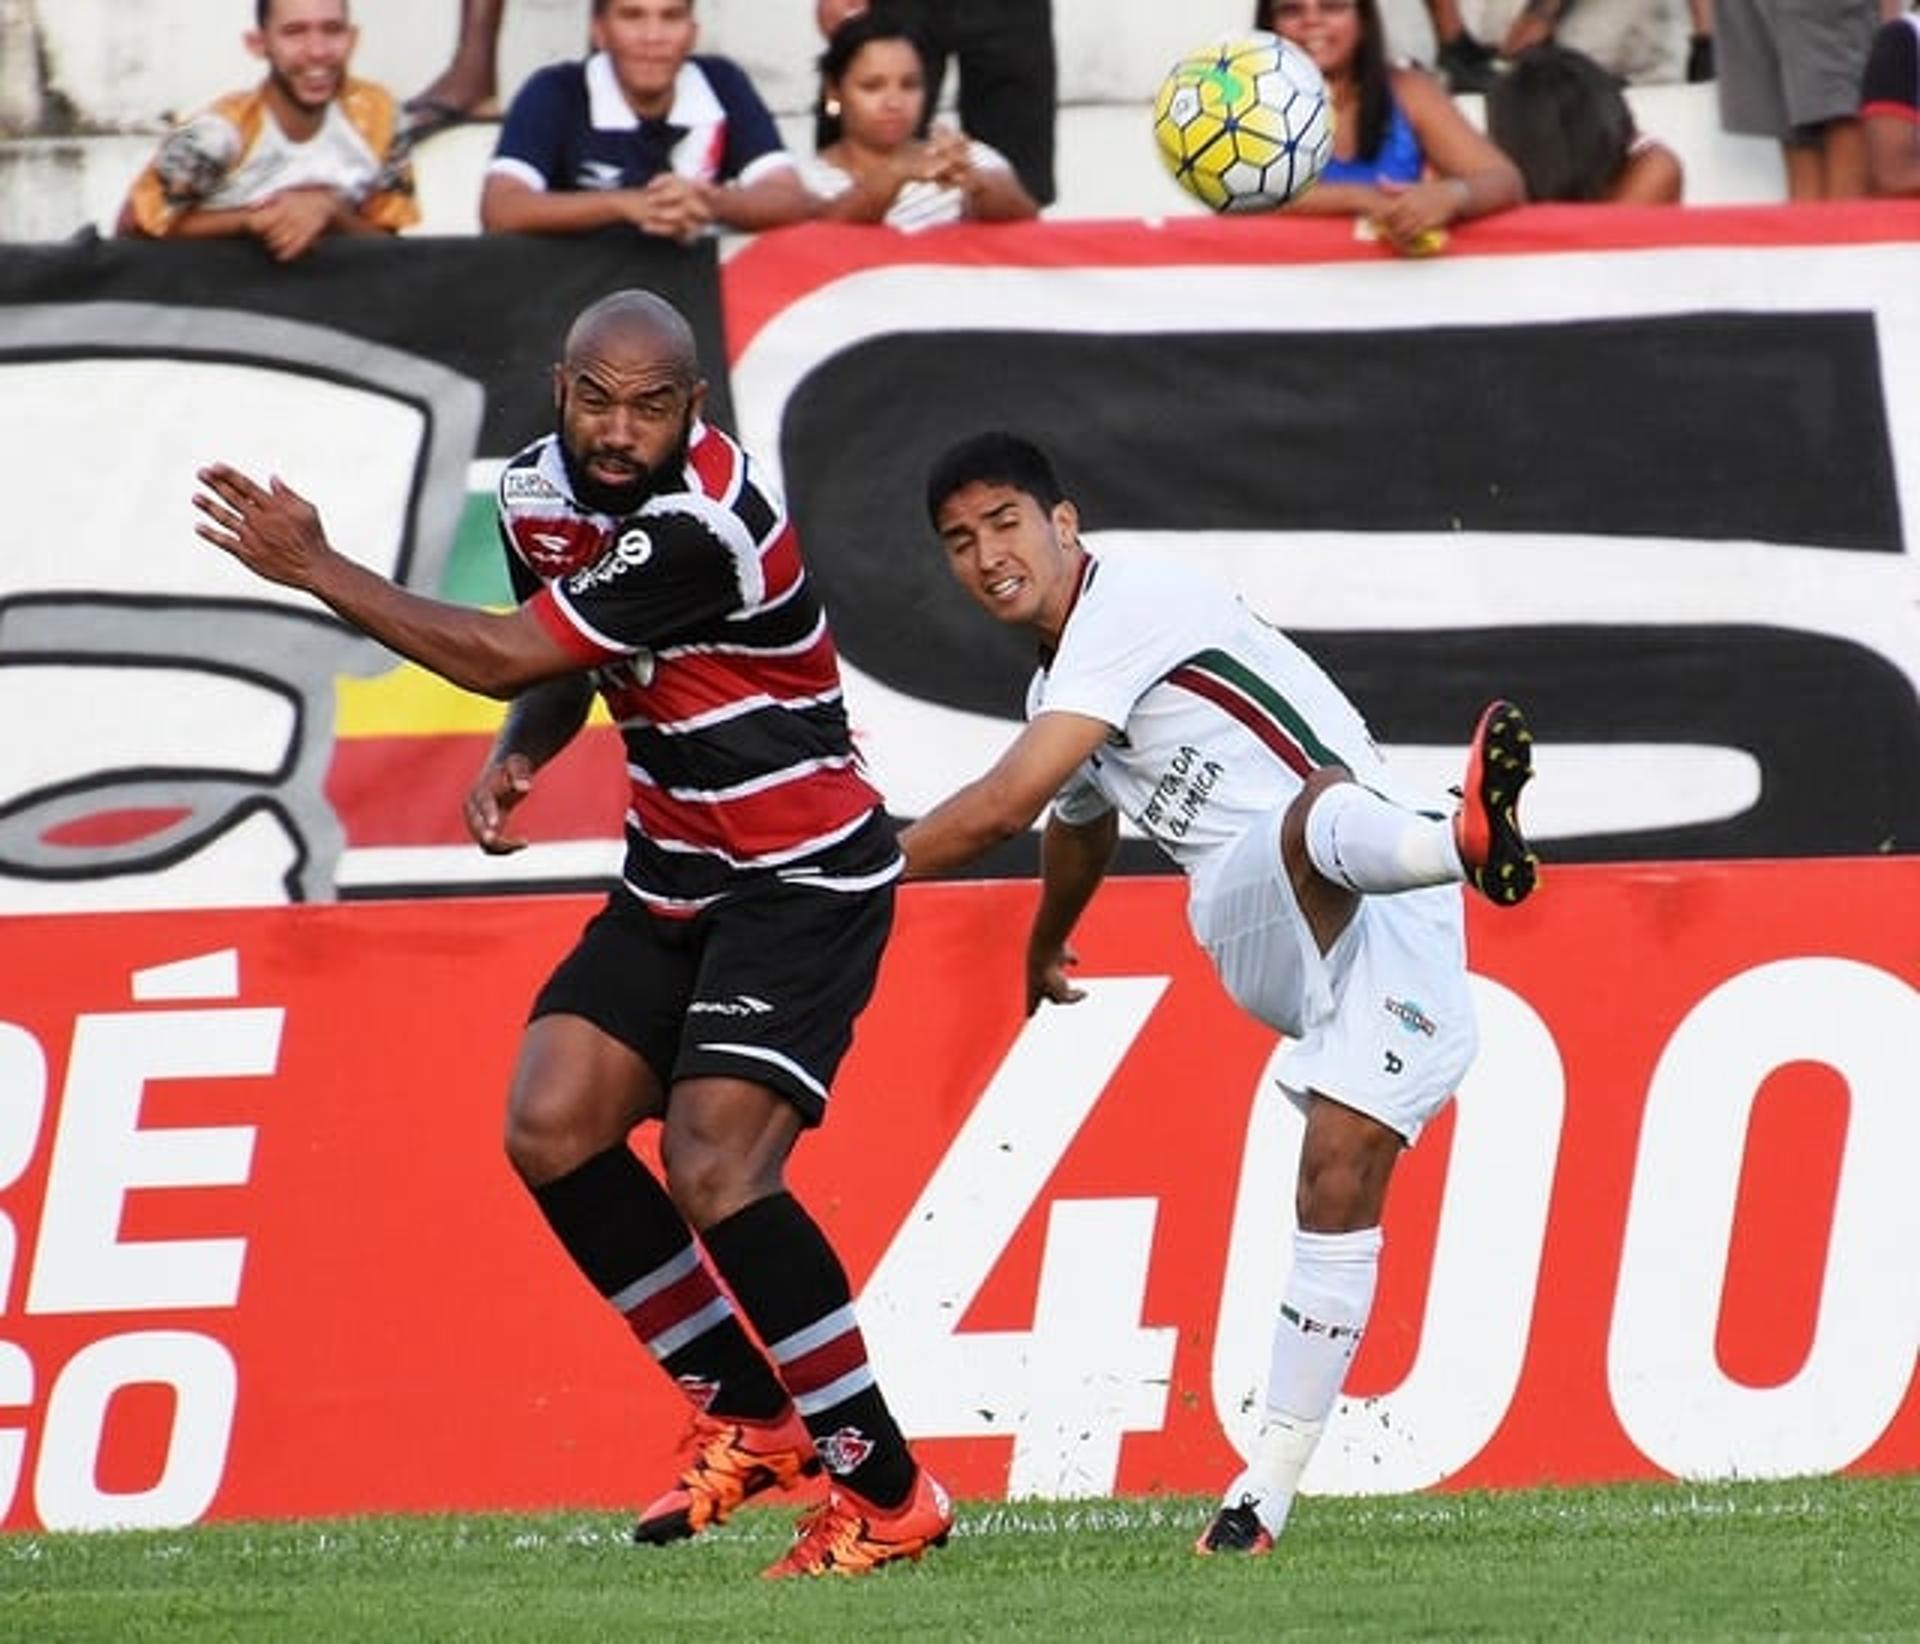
(307, 152)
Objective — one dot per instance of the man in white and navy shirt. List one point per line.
(643, 133)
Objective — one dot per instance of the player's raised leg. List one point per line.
(1499, 764)
(1358, 839)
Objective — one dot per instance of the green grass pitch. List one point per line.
(1806, 1558)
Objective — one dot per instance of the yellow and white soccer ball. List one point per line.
(1244, 124)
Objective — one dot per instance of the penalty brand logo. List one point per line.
(844, 1450)
(741, 1004)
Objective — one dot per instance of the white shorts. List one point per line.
(1383, 1023)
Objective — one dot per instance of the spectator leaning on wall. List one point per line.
(643, 133)
(1890, 108)
(1405, 159)
(1564, 121)
(884, 165)
(1009, 73)
(307, 152)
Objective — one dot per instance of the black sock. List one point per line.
(792, 1287)
(636, 1249)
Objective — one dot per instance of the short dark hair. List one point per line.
(263, 9)
(995, 457)
(1563, 120)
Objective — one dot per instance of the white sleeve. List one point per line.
(1081, 801)
(823, 180)
(1122, 638)
(985, 157)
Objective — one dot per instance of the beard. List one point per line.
(297, 97)
(629, 495)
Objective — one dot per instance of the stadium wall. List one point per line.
(1648, 471)
(117, 70)
(262, 1258)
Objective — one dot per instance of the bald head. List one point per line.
(630, 324)
(627, 397)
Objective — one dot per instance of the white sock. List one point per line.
(1329, 1295)
(1371, 845)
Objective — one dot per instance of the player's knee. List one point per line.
(1327, 902)
(709, 1180)
(701, 1181)
(545, 1137)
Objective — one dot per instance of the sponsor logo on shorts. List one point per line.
(1410, 1016)
(1394, 1064)
(555, 544)
(741, 1004)
(843, 1451)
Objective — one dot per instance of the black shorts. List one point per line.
(762, 986)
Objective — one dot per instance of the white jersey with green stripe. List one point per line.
(1217, 717)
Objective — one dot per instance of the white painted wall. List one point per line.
(135, 61)
(131, 63)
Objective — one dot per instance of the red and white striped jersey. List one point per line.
(715, 661)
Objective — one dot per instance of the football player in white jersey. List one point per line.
(1329, 905)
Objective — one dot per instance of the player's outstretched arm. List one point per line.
(276, 533)
(1004, 802)
(1073, 861)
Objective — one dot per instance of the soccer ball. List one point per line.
(1243, 124)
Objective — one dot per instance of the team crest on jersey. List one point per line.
(699, 1390)
(557, 544)
(844, 1450)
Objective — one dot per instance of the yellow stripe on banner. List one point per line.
(410, 701)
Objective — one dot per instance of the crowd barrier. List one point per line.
(261, 1256)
